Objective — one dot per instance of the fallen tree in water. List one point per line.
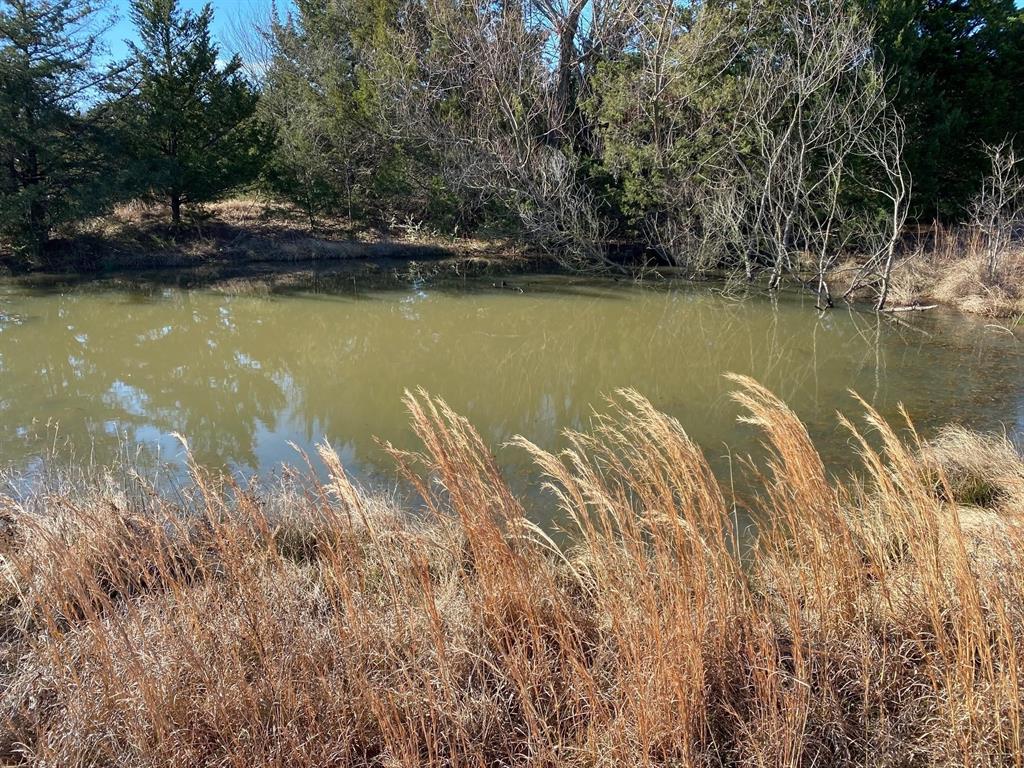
(875, 621)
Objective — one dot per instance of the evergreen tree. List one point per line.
(309, 97)
(958, 74)
(48, 148)
(332, 151)
(189, 121)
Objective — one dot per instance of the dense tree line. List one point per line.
(759, 136)
(171, 122)
(48, 146)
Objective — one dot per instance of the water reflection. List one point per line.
(242, 376)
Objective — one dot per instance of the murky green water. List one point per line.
(243, 376)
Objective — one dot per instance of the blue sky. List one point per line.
(229, 16)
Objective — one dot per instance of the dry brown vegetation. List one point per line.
(977, 267)
(953, 268)
(947, 266)
(250, 229)
(314, 624)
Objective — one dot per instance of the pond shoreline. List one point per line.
(378, 267)
(254, 246)
(240, 236)
(397, 264)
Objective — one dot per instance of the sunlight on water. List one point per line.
(243, 377)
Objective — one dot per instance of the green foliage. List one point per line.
(335, 151)
(189, 122)
(51, 153)
(958, 73)
(576, 121)
(309, 97)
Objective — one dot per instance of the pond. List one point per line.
(100, 368)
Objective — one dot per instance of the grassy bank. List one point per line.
(954, 268)
(874, 622)
(248, 230)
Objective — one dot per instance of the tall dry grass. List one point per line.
(312, 624)
(952, 266)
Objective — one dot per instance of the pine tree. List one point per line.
(332, 152)
(190, 119)
(49, 164)
(958, 71)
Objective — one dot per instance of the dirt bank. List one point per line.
(249, 235)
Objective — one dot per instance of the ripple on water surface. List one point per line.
(242, 376)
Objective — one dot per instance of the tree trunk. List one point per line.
(39, 231)
(565, 91)
(883, 293)
(176, 209)
(38, 228)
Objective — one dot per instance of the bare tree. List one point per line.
(812, 97)
(736, 129)
(998, 209)
(884, 146)
(475, 83)
(656, 110)
(248, 32)
(746, 125)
